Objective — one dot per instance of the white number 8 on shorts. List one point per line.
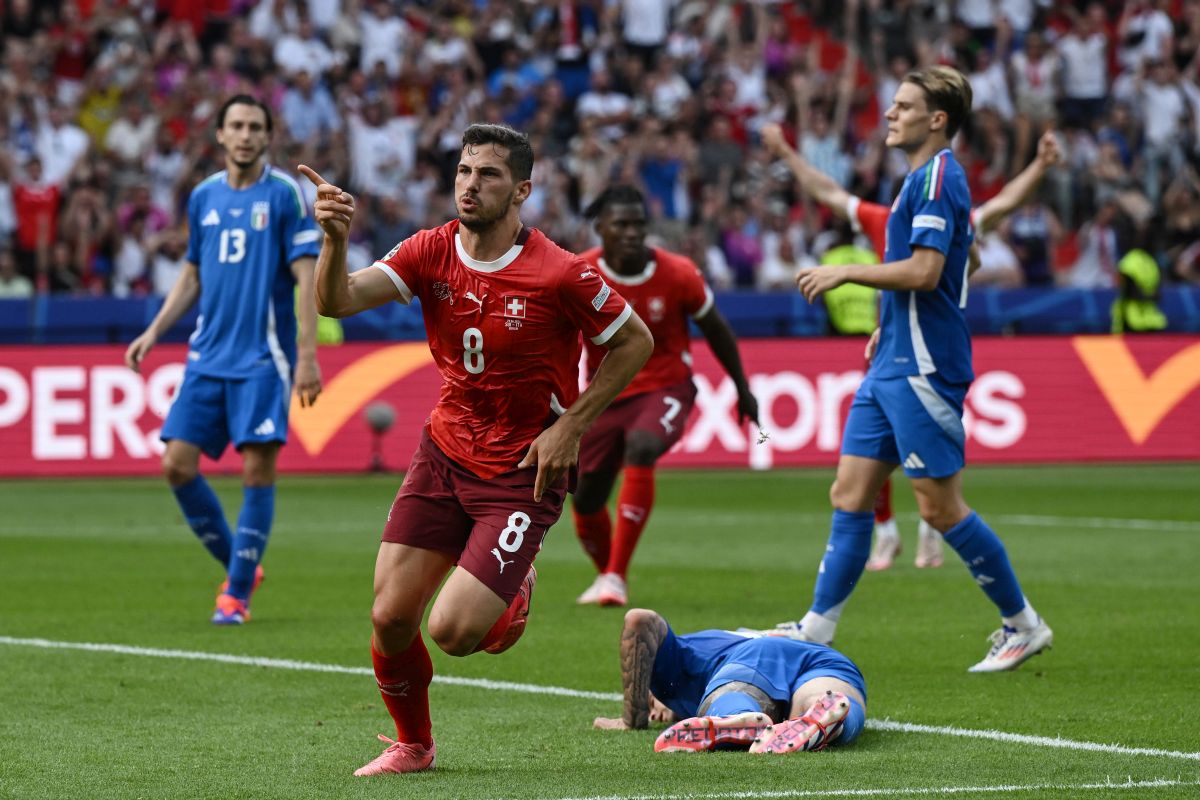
(512, 536)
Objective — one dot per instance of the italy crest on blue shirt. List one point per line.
(259, 215)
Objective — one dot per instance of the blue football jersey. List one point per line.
(922, 333)
(685, 665)
(244, 241)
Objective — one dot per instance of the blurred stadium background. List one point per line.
(106, 124)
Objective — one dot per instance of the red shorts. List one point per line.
(663, 412)
(493, 526)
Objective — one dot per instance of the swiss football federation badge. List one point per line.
(514, 306)
(260, 214)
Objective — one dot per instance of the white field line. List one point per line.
(614, 697)
(916, 791)
(1096, 522)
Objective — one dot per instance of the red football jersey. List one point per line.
(665, 294)
(505, 336)
(869, 219)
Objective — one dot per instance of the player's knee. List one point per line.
(840, 498)
(642, 449)
(943, 516)
(395, 631)
(178, 471)
(588, 500)
(453, 640)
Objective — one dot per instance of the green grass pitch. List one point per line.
(1109, 554)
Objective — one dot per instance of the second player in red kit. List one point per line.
(648, 418)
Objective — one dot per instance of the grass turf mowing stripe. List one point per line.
(1002, 520)
(916, 791)
(529, 688)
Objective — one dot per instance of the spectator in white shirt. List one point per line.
(385, 35)
(131, 137)
(644, 27)
(271, 19)
(1145, 34)
(383, 150)
(998, 264)
(60, 145)
(1165, 113)
(989, 86)
(1096, 267)
(607, 108)
(303, 50)
(1084, 53)
(1034, 73)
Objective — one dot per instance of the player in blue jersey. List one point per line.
(735, 689)
(908, 410)
(251, 242)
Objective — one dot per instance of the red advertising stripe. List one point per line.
(78, 411)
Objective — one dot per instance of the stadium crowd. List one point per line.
(106, 115)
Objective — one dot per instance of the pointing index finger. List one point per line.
(312, 175)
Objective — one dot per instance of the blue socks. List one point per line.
(254, 527)
(852, 726)
(205, 517)
(984, 554)
(845, 558)
(732, 703)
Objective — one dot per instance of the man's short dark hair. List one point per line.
(619, 193)
(520, 152)
(244, 100)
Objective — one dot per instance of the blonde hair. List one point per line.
(946, 89)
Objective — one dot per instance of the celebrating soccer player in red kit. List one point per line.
(649, 415)
(503, 309)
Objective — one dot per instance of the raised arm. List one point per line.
(1018, 191)
(816, 184)
(641, 637)
(338, 292)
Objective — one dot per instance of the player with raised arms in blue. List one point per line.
(908, 410)
(251, 242)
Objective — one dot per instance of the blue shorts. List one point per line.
(915, 421)
(212, 412)
(779, 666)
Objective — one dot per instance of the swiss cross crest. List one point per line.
(514, 306)
(657, 309)
(260, 214)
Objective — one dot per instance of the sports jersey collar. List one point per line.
(490, 266)
(629, 280)
(943, 151)
(266, 173)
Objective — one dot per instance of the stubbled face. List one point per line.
(484, 189)
(244, 134)
(622, 230)
(909, 119)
